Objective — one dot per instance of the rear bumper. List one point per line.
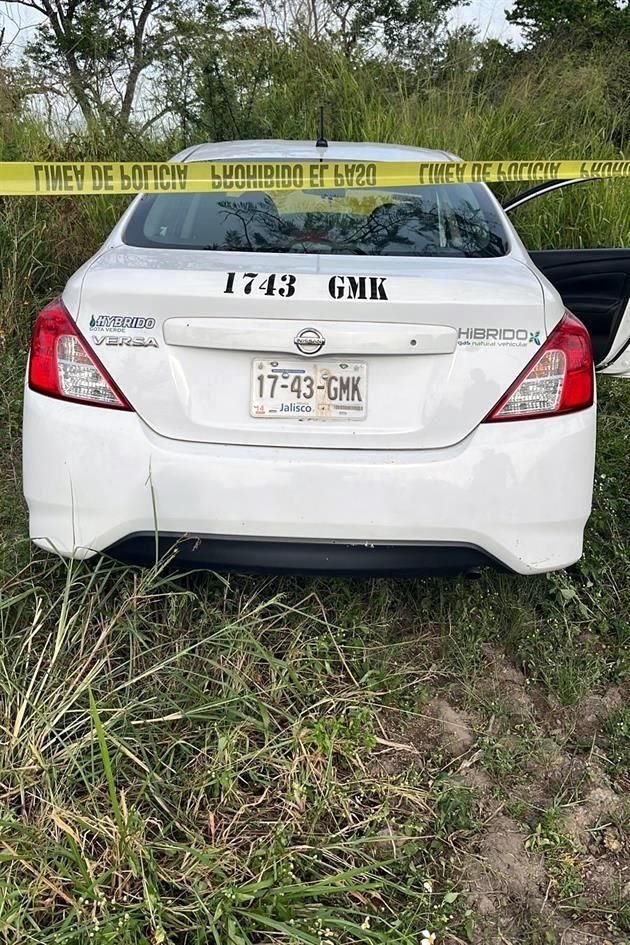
(520, 493)
(281, 556)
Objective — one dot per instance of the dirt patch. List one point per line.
(522, 699)
(605, 845)
(600, 804)
(550, 769)
(477, 780)
(394, 758)
(507, 685)
(584, 720)
(605, 877)
(502, 867)
(575, 936)
(512, 871)
(506, 885)
(440, 728)
(511, 889)
(454, 730)
(501, 871)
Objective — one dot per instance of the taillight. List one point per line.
(63, 365)
(558, 380)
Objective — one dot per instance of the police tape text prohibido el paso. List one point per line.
(98, 177)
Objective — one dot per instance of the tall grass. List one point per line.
(545, 110)
(194, 764)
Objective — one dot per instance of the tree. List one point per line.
(121, 58)
(273, 63)
(572, 22)
(95, 52)
(406, 30)
(100, 53)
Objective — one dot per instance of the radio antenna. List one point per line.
(321, 141)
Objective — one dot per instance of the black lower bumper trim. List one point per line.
(287, 556)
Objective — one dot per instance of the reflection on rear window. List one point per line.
(451, 220)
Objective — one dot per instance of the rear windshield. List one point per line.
(449, 220)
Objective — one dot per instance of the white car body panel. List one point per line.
(417, 400)
(420, 469)
(618, 359)
(520, 491)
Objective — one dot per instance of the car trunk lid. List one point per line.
(186, 334)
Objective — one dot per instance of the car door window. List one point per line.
(579, 237)
(573, 215)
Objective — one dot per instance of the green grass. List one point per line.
(562, 858)
(243, 761)
(198, 760)
(616, 727)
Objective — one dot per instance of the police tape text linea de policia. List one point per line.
(51, 178)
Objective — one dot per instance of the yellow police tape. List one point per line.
(111, 177)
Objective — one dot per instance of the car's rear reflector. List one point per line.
(560, 379)
(63, 365)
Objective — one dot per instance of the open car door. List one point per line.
(595, 286)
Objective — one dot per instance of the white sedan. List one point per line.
(351, 381)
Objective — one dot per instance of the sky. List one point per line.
(487, 15)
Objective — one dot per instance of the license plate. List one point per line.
(309, 390)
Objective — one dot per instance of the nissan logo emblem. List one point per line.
(309, 341)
